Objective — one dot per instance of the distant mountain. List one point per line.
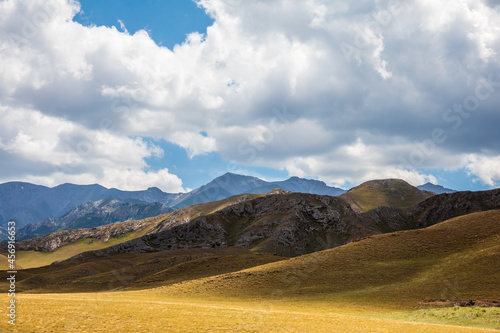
(94, 214)
(386, 192)
(231, 184)
(296, 184)
(438, 189)
(220, 188)
(28, 203)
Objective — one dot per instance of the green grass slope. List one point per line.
(387, 192)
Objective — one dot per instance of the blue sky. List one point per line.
(133, 94)
(168, 22)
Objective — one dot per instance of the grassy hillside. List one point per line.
(137, 270)
(387, 192)
(456, 259)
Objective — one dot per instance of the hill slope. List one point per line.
(456, 259)
(138, 271)
(386, 192)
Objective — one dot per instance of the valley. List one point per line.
(280, 261)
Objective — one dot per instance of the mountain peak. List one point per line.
(235, 175)
(435, 188)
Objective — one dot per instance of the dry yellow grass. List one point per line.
(145, 312)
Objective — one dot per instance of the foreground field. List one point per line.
(147, 312)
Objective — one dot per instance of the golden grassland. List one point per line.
(373, 285)
(146, 312)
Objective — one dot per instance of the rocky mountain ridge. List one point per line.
(53, 241)
(28, 203)
(231, 184)
(291, 224)
(94, 214)
(287, 224)
(435, 209)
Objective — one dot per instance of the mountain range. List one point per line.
(28, 203)
(231, 184)
(281, 222)
(438, 189)
(94, 214)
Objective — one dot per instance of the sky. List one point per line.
(134, 94)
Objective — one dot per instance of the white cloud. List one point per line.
(355, 163)
(77, 154)
(485, 168)
(352, 118)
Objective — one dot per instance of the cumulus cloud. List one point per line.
(485, 168)
(342, 91)
(69, 152)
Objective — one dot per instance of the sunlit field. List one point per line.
(148, 312)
